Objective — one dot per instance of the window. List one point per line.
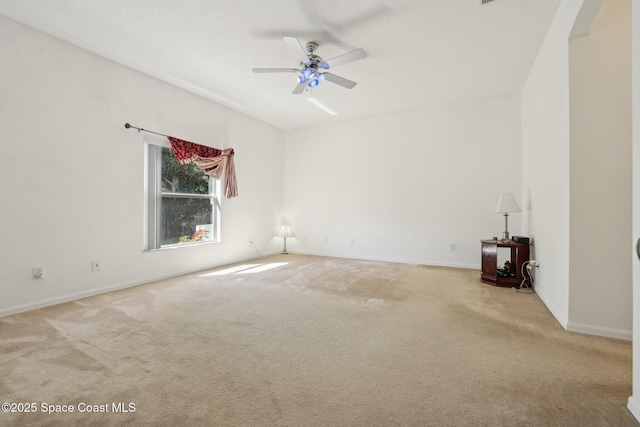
(182, 202)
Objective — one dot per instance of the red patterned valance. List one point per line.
(211, 161)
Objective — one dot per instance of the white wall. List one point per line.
(600, 175)
(576, 169)
(634, 400)
(402, 187)
(545, 161)
(72, 175)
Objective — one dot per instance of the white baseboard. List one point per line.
(78, 295)
(552, 308)
(599, 331)
(103, 290)
(582, 328)
(633, 405)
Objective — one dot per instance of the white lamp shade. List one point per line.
(507, 204)
(285, 231)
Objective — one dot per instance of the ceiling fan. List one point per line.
(312, 67)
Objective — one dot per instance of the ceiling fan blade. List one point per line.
(300, 88)
(341, 81)
(275, 70)
(354, 55)
(297, 48)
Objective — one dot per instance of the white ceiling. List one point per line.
(421, 53)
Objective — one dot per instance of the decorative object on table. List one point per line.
(520, 239)
(506, 205)
(284, 232)
(506, 270)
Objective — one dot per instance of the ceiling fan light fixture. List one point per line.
(311, 66)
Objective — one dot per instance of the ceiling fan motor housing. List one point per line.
(311, 47)
(314, 60)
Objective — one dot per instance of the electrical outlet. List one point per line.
(326, 239)
(353, 241)
(95, 265)
(452, 247)
(38, 272)
(250, 240)
(534, 263)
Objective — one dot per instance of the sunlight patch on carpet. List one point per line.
(246, 269)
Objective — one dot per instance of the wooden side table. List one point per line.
(490, 274)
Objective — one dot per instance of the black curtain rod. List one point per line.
(127, 125)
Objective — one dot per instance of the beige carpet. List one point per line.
(312, 341)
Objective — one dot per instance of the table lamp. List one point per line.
(284, 232)
(506, 205)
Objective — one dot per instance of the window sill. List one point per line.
(181, 245)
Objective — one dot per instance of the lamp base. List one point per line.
(284, 252)
(505, 234)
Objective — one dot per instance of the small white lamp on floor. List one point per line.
(284, 232)
(506, 205)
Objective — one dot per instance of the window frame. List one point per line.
(154, 195)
